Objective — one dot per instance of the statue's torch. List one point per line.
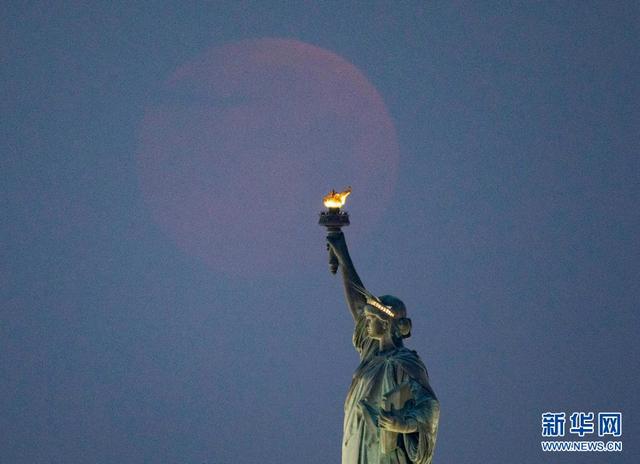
(334, 219)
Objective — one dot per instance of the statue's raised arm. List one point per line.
(353, 287)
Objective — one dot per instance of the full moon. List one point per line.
(241, 143)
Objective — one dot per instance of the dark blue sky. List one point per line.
(505, 214)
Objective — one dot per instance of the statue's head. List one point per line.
(388, 315)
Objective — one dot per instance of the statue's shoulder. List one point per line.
(407, 354)
(408, 361)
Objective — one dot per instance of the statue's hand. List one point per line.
(338, 245)
(391, 422)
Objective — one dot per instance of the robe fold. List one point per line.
(382, 379)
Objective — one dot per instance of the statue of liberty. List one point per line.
(391, 412)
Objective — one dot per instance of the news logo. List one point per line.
(581, 424)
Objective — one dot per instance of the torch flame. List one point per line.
(336, 200)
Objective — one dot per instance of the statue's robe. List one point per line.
(378, 375)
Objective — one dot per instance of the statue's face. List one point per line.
(376, 327)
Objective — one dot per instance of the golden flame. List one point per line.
(336, 200)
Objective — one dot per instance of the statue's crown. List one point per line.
(376, 303)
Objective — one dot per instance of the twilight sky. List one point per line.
(164, 290)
